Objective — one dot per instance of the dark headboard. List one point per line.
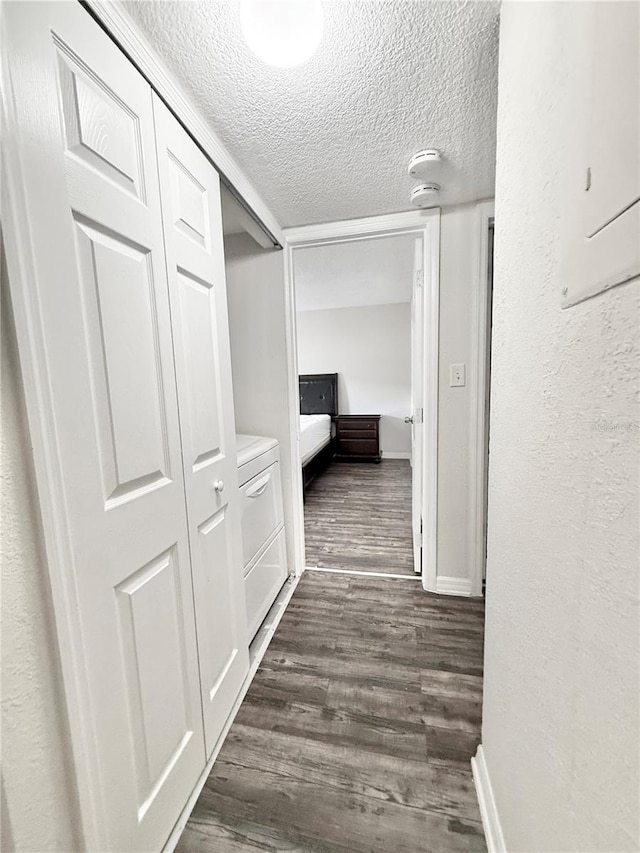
(319, 394)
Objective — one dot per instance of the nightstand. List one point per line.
(358, 438)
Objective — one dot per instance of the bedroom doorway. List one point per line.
(365, 312)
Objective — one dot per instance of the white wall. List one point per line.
(37, 790)
(370, 348)
(375, 271)
(256, 299)
(561, 701)
(458, 262)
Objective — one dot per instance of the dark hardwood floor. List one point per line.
(357, 731)
(358, 517)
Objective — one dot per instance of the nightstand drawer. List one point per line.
(357, 433)
(359, 446)
(350, 426)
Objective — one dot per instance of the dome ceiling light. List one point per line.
(283, 33)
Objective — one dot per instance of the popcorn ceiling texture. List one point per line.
(332, 139)
(562, 660)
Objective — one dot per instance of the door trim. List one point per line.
(425, 224)
(478, 425)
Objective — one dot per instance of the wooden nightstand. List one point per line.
(358, 438)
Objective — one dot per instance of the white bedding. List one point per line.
(315, 433)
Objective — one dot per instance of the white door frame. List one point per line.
(425, 224)
(478, 424)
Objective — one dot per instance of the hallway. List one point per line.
(357, 731)
(358, 517)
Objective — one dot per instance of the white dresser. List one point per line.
(263, 546)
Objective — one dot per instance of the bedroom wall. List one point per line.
(370, 348)
(561, 685)
(256, 300)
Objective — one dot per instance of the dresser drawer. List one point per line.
(263, 582)
(261, 506)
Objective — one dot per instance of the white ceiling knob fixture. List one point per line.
(423, 162)
(284, 33)
(424, 195)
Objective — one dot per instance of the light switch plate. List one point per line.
(457, 375)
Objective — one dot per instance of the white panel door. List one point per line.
(84, 128)
(190, 191)
(417, 402)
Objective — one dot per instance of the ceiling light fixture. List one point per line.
(284, 33)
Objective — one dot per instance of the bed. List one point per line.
(315, 434)
(318, 408)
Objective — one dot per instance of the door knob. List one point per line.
(409, 420)
(218, 485)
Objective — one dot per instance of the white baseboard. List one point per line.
(392, 454)
(488, 811)
(453, 586)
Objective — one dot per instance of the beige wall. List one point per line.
(370, 348)
(562, 662)
(38, 804)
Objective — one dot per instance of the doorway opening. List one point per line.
(364, 323)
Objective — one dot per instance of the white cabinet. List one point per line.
(264, 557)
(122, 328)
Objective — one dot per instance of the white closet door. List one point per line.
(190, 192)
(84, 129)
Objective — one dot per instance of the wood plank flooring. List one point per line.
(358, 516)
(357, 731)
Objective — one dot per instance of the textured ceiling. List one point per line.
(331, 139)
(362, 272)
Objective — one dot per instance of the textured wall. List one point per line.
(561, 706)
(370, 347)
(37, 798)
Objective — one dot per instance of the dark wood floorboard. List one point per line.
(358, 517)
(357, 732)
